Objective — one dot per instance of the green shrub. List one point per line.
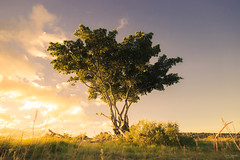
(185, 140)
(103, 136)
(151, 132)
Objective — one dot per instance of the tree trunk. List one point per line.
(120, 128)
(119, 120)
(124, 127)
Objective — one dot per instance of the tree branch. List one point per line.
(114, 99)
(123, 109)
(53, 133)
(126, 101)
(225, 125)
(101, 114)
(85, 83)
(125, 115)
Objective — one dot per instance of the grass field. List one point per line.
(72, 148)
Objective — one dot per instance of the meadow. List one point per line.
(142, 142)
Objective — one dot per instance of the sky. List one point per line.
(35, 98)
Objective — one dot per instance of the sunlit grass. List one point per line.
(146, 140)
(72, 148)
(47, 148)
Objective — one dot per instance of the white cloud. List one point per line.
(23, 44)
(25, 79)
(15, 66)
(62, 85)
(76, 110)
(27, 117)
(3, 110)
(23, 39)
(37, 96)
(123, 23)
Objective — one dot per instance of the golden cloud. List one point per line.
(25, 38)
(29, 87)
(5, 117)
(39, 96)
(23, 44)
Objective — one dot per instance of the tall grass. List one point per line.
(47, 148)
(146, 140)
(69, 148)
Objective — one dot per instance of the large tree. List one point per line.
(114, 72)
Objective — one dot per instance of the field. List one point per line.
(48, 147)
(147, 140)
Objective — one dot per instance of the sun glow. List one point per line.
(75, 110)
(1, 78)
(37, 104)
(12, 94)
(7, 124)
(3, 110)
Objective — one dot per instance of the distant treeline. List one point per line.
(208, 135)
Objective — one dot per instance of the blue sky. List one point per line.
(204, 33)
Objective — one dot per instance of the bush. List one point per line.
(151, 132)
(103, 136)
(82, 137)
(186, 140)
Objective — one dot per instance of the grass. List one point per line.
(65, 148)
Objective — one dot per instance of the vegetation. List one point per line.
(150, 132)
(59, 148)
(145, 140)
(114, 72)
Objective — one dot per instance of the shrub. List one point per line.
(103, 136)
(186, 140)
(151, 132)
(82, 137)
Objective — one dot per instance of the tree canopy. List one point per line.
(113, 71)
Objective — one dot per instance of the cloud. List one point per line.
(3, 110)
(15, 65)
(5, 117)
(123, 23)
(28, 85)
(36, 96)
(31, 34)
(62, 85)
(55, 111)
(23, 39)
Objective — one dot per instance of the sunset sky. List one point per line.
(206, 34)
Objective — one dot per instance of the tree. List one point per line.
(114, 72)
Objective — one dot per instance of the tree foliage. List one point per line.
(114, 72)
